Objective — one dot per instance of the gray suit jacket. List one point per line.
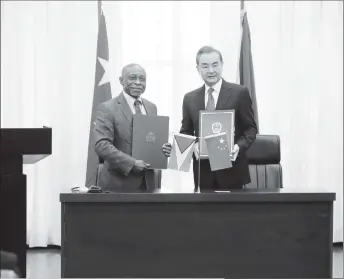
(113, 142)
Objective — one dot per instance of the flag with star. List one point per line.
(218, 147)
(102, 93)
(181, 153)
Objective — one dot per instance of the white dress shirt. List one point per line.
(131, 100)
(216, 92)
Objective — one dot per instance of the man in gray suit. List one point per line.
(113, 136)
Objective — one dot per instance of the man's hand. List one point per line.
(140, 166)
(166, 148)
(234, 153)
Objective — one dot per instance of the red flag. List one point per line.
(102, 93)
(245, 69)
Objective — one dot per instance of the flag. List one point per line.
(218, 151)
(102, 93)
(181, 153)
(245, 74)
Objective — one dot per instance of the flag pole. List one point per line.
(242, 5)
(199, 169)
(99, 10)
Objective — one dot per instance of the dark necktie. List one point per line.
(211, 101)
(137, 104)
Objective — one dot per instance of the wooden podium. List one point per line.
(18, 147)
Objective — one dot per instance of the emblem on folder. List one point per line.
(150, 137)
(216, 127)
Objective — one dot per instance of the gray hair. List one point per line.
(132, 65)
(207, 49)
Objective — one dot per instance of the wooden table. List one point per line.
(244, 234)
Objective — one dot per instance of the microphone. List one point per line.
(92, 189)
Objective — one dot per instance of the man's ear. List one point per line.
(121, 80)
(197, 68)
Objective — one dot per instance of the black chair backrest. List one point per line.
(264, 158)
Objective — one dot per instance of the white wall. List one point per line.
(48, 61)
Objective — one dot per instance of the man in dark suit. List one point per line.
(113, 136)
(218, 94)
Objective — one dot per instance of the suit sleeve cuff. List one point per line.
(128, 168)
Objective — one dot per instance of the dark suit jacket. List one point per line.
(232, 96)
(113, 142)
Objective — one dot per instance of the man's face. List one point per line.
(210, 68)
(133, 80)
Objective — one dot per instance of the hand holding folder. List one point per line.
(140, 166)
(167, 148)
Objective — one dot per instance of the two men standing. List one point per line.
(113, 129)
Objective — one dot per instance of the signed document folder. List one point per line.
(150, 132)
(215, 122)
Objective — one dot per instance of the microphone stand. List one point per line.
(199, 171)
(199, 165)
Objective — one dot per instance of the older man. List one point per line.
(113, 136)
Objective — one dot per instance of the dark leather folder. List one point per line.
(149, 134)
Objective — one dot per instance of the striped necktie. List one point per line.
(211, 101)
(137, 104)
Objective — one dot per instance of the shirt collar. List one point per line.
(216, 87)
(130, 99)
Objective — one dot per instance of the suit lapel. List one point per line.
(125, 107)
(225, 93)
(200, 100)
(148, 107)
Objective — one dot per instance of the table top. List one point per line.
(245, 195)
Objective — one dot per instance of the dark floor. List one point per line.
(45, 263)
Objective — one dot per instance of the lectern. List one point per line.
(18, 147)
